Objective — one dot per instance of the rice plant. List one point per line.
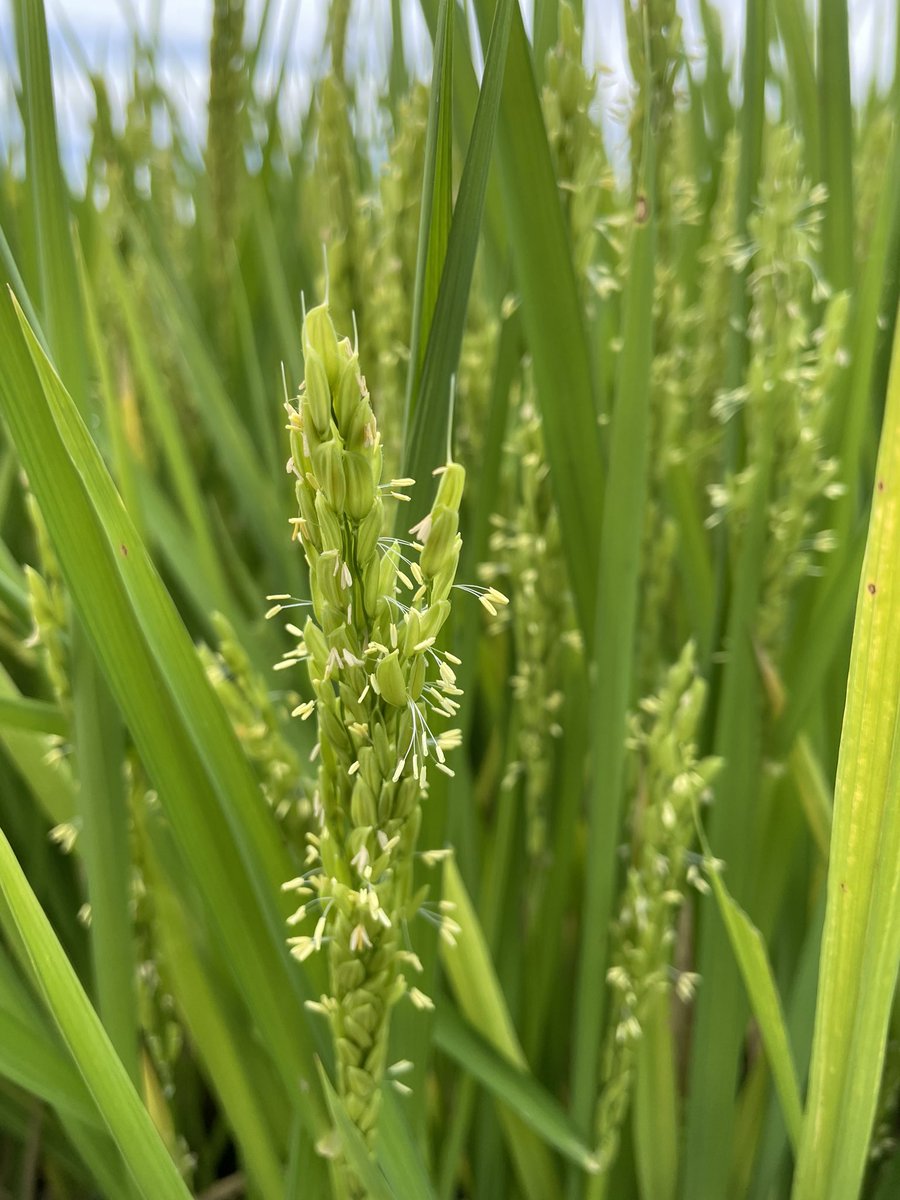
(449, 612)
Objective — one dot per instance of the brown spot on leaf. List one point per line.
(124, 549)
(872, 589)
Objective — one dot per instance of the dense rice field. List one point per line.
(450, 617)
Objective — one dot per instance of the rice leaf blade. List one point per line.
(147, 1159)
(477, 990)
(436, 212)
(836, 125)
(555, 332)
(178, 725)
(427, 431)
(749, 950)
(861, 941)
(518, 1091)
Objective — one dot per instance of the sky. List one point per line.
(101, 28)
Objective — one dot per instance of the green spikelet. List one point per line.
(673, 405)
(529, 559)
(162, 1033)
(49, 611)
(476, 371)
(705, 362)
(378, 681)
(576, 143)
(686, 374)
(670, 781)
(392, 271)
(868, 175)
(246, 699)
(790, 379)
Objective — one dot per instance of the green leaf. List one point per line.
(807, 664)
(399, 79)
(282, 305)
(720, 1009)
(875, 297)
(49, 199)
(114, 411)
(30, 1054)
(750, 951)
(163, 419)
(813, 791)
(693, 549)
(552, 316)
(774, 1149)
(436, 211)
(96, 726)
(34, 716)
(183, 735)
(429, 411)
(655, 1109)
(105, 851)
(546, 32)
(144, 1154)
(795, 37)
(214, 1028)
(11, 273)
(861, 941)
(401, 1163)
(254, 492)
(836, 125)
(513, 1087)
(479, 997)
(51, 785)
(17, 1119)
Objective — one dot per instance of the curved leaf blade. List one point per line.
(146, 1157)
